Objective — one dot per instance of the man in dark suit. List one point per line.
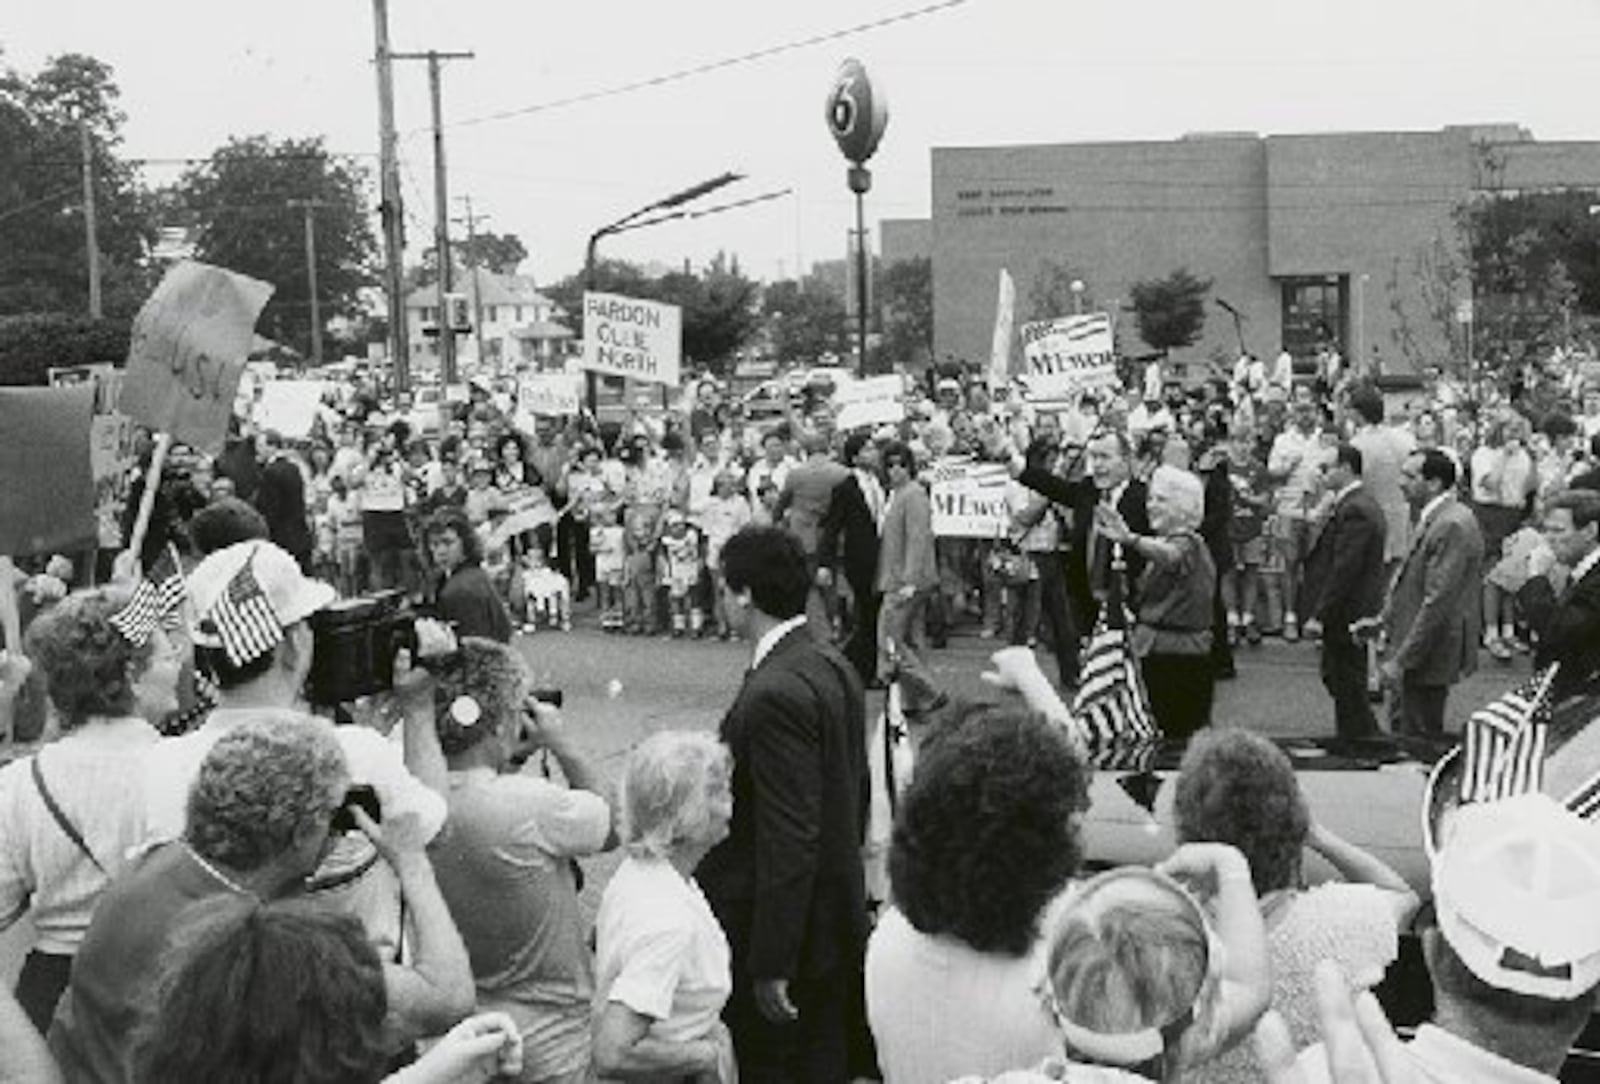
(1432, 622)
(787, 883)
(1345, 571)
(281, 500)
(1089, 569)
(847, 541)
(1568, 624)
(803, 501)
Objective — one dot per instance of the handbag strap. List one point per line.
(66, 825)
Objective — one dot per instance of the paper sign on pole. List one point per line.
(290, 407)
(547, 393)
(624, 336)
(1068, 355)
(1005, 315)
(190, 343)
(969, 500)
(877, 400)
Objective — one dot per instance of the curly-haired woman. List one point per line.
(70, 813)
(506, 857)
(986, 837)
(1238, 788)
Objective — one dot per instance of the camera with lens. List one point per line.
(354, 644)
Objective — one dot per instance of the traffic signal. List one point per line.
(460, 312)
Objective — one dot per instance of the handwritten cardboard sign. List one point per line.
(625, 336)
(190, 343)
(1067, 356)
(547, 393)
(874, 401)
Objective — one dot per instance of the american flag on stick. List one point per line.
(244, 619)
(1503, 746)
(1111, 702)
(151, 605)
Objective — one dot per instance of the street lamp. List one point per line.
(1077, 289)
(627, 221)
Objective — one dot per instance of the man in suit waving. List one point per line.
(787, 883)
(848, 543)
(1346, 568)
(1432, 621)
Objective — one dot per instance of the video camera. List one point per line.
(354, 644)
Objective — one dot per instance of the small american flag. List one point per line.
(1111, 701)
(244, 619)
(151, 605)
(1503, 745)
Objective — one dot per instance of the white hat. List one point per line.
(1516, 885)
(292, 596)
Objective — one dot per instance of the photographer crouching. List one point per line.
(506, 859)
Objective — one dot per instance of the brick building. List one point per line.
(1305, 236)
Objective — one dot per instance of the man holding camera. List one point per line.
(251, 627)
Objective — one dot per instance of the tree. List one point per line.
(1050, 293)
(243, 201)
(43, 255)
(804, 320)
(610, 277)
(905, 290)
(719, 310)
(1171, 312)
(30, 346)
(501, 253)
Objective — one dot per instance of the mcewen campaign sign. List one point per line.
(1068, 355)
(969, 499)
(624, 336)
(190, 343)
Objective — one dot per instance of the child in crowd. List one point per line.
(1241, 584)
(725, 515)
(546, 592)
(481, 494)
(343, 522)
(1500, 586)
(608, 543)
(680, 570)
(639, 577)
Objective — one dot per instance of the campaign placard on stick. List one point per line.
(47, 488)
(625, 336)
(969, 499)
(290, 407)
(190, 343)
(877, 400)
(547, 393)
(1067, 356)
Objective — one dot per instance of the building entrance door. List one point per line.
(1315, 311)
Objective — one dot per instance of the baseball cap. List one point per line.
(291, 594)
(1516, 884)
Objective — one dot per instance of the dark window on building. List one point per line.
(1315, 311)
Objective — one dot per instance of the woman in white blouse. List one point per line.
(70, 813)
(661, 958)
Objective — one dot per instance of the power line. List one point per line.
(24, 207)
(711, 66)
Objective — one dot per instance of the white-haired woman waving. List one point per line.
(1172, 636)
(662, 960)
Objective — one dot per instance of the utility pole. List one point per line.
(310, 206)
(390, 208)
(441, 201)
(472, 221)
(91, 240)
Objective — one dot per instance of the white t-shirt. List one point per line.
(660, 951)
(362, 885)
(940, 1009)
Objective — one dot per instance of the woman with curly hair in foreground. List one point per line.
(287, 993)
(985, 838)
(1238, 788)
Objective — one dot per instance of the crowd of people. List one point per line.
(229, 884)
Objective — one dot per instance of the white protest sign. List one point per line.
(1005, 314)
(873, 401)
(969, 499)
(1068, 355)
(547, 393)
(190, 342)
(290, 407)
(624, 336)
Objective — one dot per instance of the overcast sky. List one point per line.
(980, 72)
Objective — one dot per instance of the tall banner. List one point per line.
(1005, 316)
(190, 343)
(969, 499)
(625, 336)
(47, 490)
(1069, 355)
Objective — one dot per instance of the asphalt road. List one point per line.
(618, 689)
